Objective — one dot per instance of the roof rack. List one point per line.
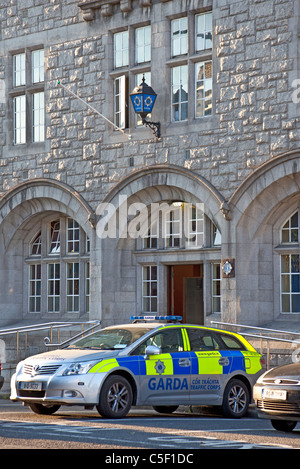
(156, 318)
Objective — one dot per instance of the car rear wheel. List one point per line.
(165, 409)
(43, 409)
(115, 397)
(284, 425)
(235, 399)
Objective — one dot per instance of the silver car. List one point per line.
(158, 363)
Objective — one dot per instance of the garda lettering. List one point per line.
(167, 384)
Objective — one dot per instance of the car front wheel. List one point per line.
(283, 425)
(115, 397)
(236, 399)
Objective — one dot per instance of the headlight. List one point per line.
(260, 379)
(80, 368)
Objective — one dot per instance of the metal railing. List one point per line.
(48, 342)
(261, 336)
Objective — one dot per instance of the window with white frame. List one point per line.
(27, 93)
(192, 78)
(73, 236)
(290, 230)
(143, 45)
(19, 69)
(35, 282)
(19, 119)
(38, 117)
(180, 93)
(37, 63)
(59, 271)
(87, 286)
(179, 36)
(290, 266)
(72, 286)
(195, 235)
(203, 89)
(216, 287)
(126, 69)
(121, 49)
(180, 225)
(121, 101)
(53, 288)
(173, 227)
(150, 283)
(203, 31)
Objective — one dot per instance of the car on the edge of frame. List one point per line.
(277, 396)
(153, 361)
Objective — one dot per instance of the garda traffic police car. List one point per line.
(154, 361)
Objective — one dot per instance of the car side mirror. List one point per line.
(152, 350)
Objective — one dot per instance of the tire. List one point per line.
(165, 409)
(236, 399)
(44, 409)
(115, 397)
(283, 425)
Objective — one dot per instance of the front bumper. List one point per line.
(61, 390)
(274, 408)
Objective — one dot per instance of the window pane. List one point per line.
(149, 289)
(203, 89)
(290, 230)
(19, 120)
(73, 233)
(38, 117)
(37, 58)
(180, 93)
(121, 101)
(53, 288)
(19, 69)
(204, 31)
(179, 36)
(55, 237)
(121, 49)
(143, 44)
(290, 283)
(35, 288)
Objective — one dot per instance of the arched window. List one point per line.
(290, 266)
(180, 225)
(59, 268)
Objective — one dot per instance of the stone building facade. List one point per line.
(76, 193)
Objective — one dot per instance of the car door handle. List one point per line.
(224, 361)
(184, 362)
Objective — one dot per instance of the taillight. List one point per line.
(262, 361)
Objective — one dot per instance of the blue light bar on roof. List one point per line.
(156, 318)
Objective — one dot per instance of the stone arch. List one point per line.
(265, 191)
(258, 208)
(123, 258)
(32, 198)
(163, 182)
(20, 209)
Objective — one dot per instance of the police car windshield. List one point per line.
(110, 339)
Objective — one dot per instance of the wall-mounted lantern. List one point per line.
(143, 98)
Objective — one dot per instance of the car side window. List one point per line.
(169, 340)
(201, 340)
(231, 342)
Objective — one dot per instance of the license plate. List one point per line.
(28, 386)
(274, 394)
